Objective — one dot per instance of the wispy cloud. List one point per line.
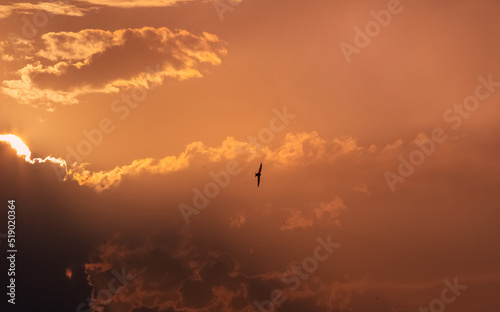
(393, 146)
(315, 214)
(57, 8)
(237, 221)
(146, 3)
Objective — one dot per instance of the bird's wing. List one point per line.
(260, 168)
(258, 180)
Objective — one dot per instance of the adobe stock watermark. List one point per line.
(105, 295)
(221, 179)
(121, 106)
(448, 295)
(363, 37)
(298, 273)
(453, 116)
(222, 7)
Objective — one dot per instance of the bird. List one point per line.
(258, 175)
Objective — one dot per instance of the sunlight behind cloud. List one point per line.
(22, 150)
(17, 144)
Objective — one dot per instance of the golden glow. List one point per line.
(23, 150)
(17, 144)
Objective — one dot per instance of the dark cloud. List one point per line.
(196, 294)
(201, 267)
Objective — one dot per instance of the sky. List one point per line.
(131, 133)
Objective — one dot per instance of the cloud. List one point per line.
(421, 137)
(135, 4)
(330, 210)
(148, 3)
(81, 8)
(393, 146)
(22, 150)
(297, 221)
(309, 147)
(56, 8)
(298, 150)
(201, 280)
(347, 144)
(362, 189)
(25, 92)
(172, 265)
(67, 65)
(237, 221)
(5, 11)
(341, 295)
(166, 277)
(312, 214)
(4, 52)
(103, 180)
(79, 46)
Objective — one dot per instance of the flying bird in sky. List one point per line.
(258, 175)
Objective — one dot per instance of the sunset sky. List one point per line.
(131, 132)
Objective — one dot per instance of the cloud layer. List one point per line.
(179, 267)
(66, 65)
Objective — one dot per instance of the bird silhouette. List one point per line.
(258, 175)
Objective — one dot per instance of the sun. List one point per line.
(17, 144)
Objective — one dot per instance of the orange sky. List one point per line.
(391, 150)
